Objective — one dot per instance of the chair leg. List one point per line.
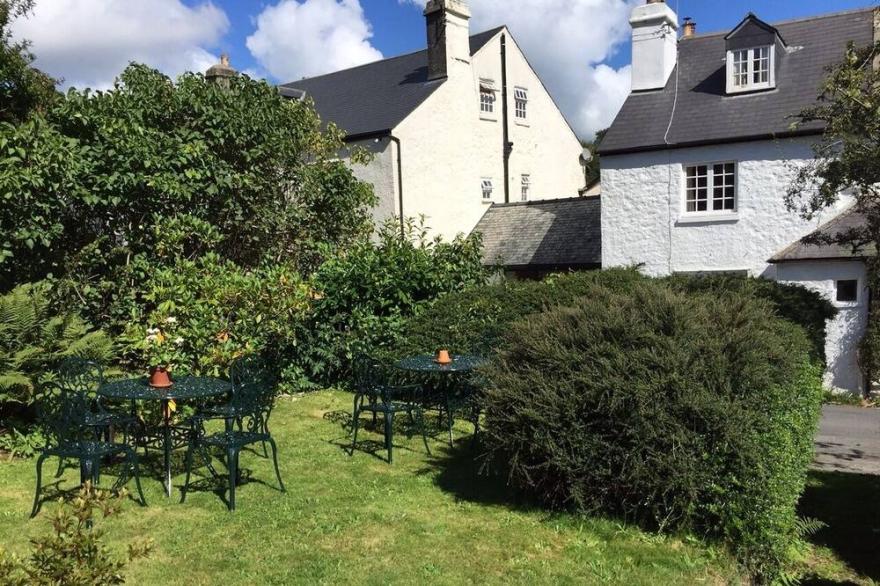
(60, 470)
(36, 507)
(232, 465)
(449, 420)
(389, 435)
(424, 432)
(275, 460)
(189, 461)
(131, 455)
(355, 423)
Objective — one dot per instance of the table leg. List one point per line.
(166, 418)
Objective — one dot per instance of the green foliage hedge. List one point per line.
(474, 320)
(680, 410)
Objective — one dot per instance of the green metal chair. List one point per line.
(66, 417)
(373, 394)
(81, 378)
(250, 408)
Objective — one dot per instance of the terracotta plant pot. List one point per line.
(160, 378)
(443, 357)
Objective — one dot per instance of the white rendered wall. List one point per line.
(643, 220)
(448, 148)
(381, 172)
(844, 332)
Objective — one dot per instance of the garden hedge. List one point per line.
(682, 411)
(475, 320)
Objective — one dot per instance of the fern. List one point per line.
(34, 339)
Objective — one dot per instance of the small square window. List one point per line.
(848, 291)
(487, 188)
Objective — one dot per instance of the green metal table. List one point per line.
(426, 364)
(184, 388)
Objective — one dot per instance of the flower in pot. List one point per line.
(162, 350)
(443, 357)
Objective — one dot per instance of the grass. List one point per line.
(425, 519)
(358, 520)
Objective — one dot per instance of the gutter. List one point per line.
(397, 142)
(507, 147)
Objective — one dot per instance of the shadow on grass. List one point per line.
(849, 504)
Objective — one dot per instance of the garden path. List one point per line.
(848, 440)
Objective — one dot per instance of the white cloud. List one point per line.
(89, 42)
(304, 38)
(567, 42)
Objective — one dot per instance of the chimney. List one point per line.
(449, 44)
(654, 45)
(690, 27)
(221, 73)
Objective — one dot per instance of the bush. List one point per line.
(797, 304)
(680, 411)
(74, 554)
(34, 339)
(476, 319)
(365, 296)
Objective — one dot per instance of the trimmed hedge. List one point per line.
(476, 319)
(682, 411)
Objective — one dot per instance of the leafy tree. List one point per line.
(89, 186)
(847, 159)
(22, 87)
(592, 170)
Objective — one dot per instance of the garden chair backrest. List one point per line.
(80, 375)
(369, 376)
(254, 386)
(61, 413)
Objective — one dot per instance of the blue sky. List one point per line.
(398, 28)
(580, 48)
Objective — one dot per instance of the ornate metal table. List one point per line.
(184, 388)
(426, 364)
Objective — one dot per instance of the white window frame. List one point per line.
(488, 99)
(525, 187)
(711, 177)
(521, 103)
(751, 85)
(487, 188)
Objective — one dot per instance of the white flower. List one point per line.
(153, 331)
(178, 340)
(170, 320)
(152, 338)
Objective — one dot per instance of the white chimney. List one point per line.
(654, 45)
(449, 44)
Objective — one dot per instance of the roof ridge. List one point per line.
(789, 21)
(384, 59)
(511, 204)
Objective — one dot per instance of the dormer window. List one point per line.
(750, 69)
(752, 51)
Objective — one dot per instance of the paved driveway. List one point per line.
(849, 440)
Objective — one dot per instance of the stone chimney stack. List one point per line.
(222, 72)
(448, 37)
(690, 28)
(654, 45)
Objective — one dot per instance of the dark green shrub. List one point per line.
(681, 411)
(797, 304)
(365, 296)
(474, 320)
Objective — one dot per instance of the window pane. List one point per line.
(848, 291)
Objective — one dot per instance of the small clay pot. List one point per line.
(443, 357)
(160, 378)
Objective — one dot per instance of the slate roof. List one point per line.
(376, 97)
(550, 234)
(704, 114)
(840, 225)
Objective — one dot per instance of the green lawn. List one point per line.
(359, 520)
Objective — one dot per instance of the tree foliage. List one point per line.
(847, 160)
(23, 88)
(87, 187)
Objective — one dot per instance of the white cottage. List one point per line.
(454, 128)
(697, 163)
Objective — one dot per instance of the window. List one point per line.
(487, 187)
(750, 69)
(848, 291)
(710, 188)
(521, 101)
(487, 96)
(525, 187)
